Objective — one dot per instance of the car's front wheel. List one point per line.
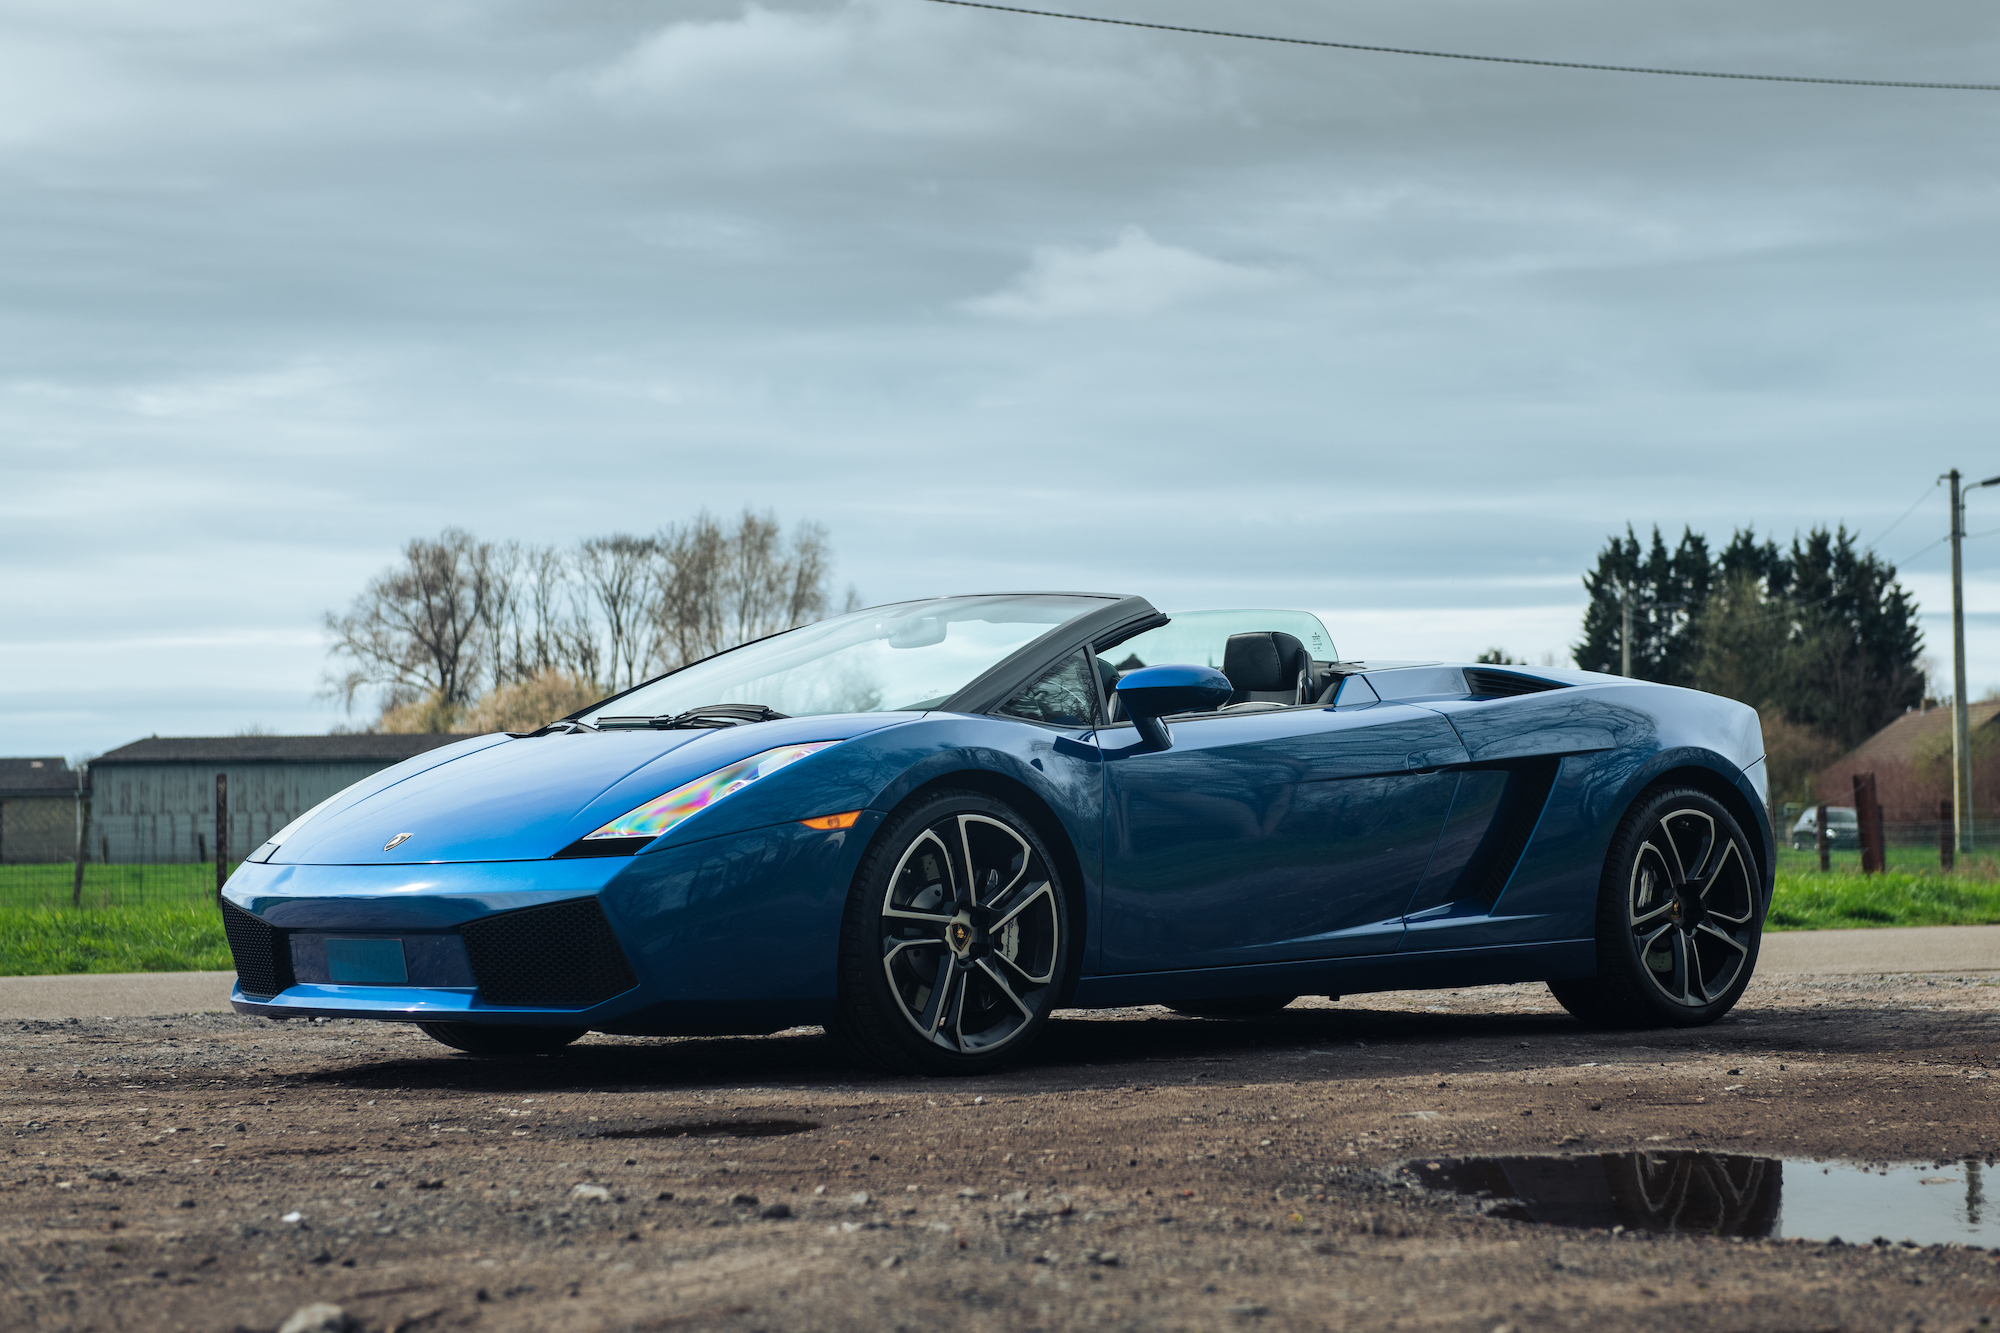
(1679, 917)
(956, 940)
(501, 1038)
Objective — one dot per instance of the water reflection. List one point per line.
(1725, 1194)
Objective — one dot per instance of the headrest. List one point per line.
(1264, 661)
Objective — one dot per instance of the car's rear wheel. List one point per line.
(1234, 1006)
(501, 1038)
(956, 940)
(1679, 917)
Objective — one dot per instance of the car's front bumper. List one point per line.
(735, 933)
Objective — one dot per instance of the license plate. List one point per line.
(366, 962)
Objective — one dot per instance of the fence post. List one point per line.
(1819, 840)
(1870, 828)
(221, 831)
(82, 840)
(1946, 843)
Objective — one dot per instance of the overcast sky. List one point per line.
(1005, 302)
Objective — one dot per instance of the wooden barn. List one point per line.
(153, 801)
(40, 809)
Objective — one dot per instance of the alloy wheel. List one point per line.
(1691, 906)
(970, 933)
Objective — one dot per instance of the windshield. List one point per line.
(1198, 637)
(905, 657)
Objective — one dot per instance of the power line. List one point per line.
(1905, 514)
(1460, 55)
(1923, 550)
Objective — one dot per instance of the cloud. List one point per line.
(1135, 275)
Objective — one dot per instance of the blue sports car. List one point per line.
(928, 825)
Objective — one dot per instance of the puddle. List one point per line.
(1727, 1194)
(714, 1129)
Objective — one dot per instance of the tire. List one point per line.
(1235, 1006)
(962, 887)
(501, 1039)
(1680, 916)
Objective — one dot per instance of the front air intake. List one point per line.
(563, 956)
(263, 958)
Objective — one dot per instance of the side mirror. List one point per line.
(1154, 692)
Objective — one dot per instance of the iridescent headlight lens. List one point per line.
(691, 798)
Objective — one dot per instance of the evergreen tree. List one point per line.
(1668, 589)
(1858, 639)
(1821, 632)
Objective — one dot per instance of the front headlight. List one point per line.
(642, 824)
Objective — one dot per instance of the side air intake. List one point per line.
(562, 956)
(263, 958)
(1504, 684)
(1527, 792)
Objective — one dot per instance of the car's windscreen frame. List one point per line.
(1096, 612)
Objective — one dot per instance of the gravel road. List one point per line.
(1148, 1171)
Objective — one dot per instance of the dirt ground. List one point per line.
(1144, 1171)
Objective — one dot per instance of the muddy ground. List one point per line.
(1144, 1171)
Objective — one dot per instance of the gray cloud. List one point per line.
(1005, 302)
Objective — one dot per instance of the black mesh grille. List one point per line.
(562, 956)
(1505, 684)
(263, 959)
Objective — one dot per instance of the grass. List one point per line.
(1844, 900)
(1913, 891)
(148, 937)
(143, 918)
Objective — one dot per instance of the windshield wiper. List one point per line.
(715, 715)
(560, 727)
(707, 716)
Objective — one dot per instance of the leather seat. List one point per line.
(1268, 667)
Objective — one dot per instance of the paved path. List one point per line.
(114, 995)
(1799, 952)
(1896, 949)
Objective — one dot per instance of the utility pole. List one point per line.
(1625, 634)
(1961, 730)
(1961, 737)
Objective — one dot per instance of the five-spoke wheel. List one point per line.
(1680, 916)
(956, 941)
(1691, 905)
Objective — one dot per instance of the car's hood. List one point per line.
(505, 799)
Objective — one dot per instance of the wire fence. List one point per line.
(55, 885)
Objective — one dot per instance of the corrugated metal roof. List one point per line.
(37, 777)
(385, 749)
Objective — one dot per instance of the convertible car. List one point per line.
(928, 825)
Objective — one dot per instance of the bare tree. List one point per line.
(460, 619)
(718, 588)
(551, 627)
(501, 614)
(617, 571)
(415, 630)
(687, 609)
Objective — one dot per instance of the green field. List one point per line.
(154, 937)
(163, 918)
(156, 918)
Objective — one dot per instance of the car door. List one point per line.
(1270, 835)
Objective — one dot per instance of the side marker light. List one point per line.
(833, 821)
